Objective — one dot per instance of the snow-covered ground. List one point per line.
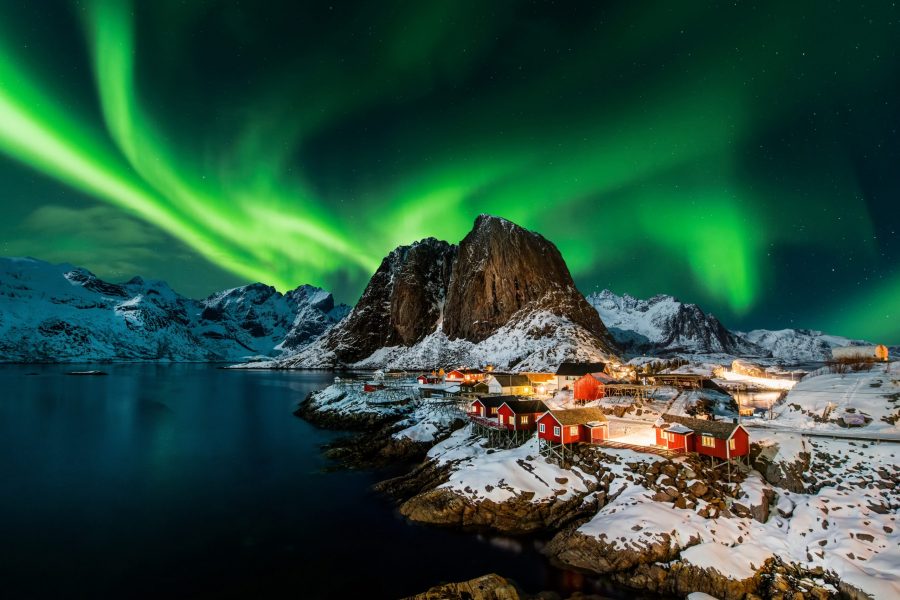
(827, 401)
(479, 473)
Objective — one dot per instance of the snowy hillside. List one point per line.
(536, 341)
(65, 313)
(663, 324)
(797, 344)
(864, 401)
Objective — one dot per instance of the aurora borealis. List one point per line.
(742, 156)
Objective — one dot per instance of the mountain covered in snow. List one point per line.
(503, 296)
(62, 313)
(665, 325)
(798, 344)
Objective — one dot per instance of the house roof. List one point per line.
(679, 428)
(576, 368)
(601, 377)
(577, 416)
(494, 401)
(511, 380)
(717, 429)
(521, 407)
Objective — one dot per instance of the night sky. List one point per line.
(740, 155)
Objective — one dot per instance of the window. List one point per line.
(543, 429)
(731, 444)
(501, 419)
(708, 441)
(670, 436)
(573, 430)
(555, 430)
(494, 410)
(524, 419)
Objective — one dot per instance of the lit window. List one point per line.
(708, 441)
(524, 419)
(494, 410)
(543, 429)
(573, 430)
(731, 444)
(501, 419)
(555, 430)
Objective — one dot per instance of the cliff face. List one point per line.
(401, 304)
(501, 270)
(504, 296)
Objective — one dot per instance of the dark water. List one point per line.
(188, 481)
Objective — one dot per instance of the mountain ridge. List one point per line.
(64, 313)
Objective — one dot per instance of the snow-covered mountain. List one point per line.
(504, 296)
(798, 344)
(62, 313)
(663, 324)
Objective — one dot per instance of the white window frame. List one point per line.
(502, 419)
(732, 445)
(556, 430)
(708, 441)
(573, 430)
(542, 428)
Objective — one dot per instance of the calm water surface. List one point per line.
(188, 480)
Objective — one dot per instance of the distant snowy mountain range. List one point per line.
(430, 303)
(665, 325)
(62, 313)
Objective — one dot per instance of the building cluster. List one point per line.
(509, 408)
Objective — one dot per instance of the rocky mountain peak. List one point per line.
(503, 268)
(502, 281)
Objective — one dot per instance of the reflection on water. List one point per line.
(189, 481)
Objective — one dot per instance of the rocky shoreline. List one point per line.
(531, 496)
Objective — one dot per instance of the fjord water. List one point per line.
(189, 480)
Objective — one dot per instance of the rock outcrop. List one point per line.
(501, 270)
(401, 304)
(486, 587)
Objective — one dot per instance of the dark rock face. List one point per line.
(502, 269)
(402, 303)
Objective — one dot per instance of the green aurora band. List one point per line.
(657, 172)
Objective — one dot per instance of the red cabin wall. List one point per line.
(660, 436)
(741, 443)
(565, 436)
(508, 417)
(587, 388)
(718, 451)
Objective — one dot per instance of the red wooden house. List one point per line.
(591, 386)
(520, 415)
(464, 375)
(719, 439)
(432, 379)
(560, 428)
(488, 406)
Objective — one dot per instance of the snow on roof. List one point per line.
(679, 428)
(717, 429)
